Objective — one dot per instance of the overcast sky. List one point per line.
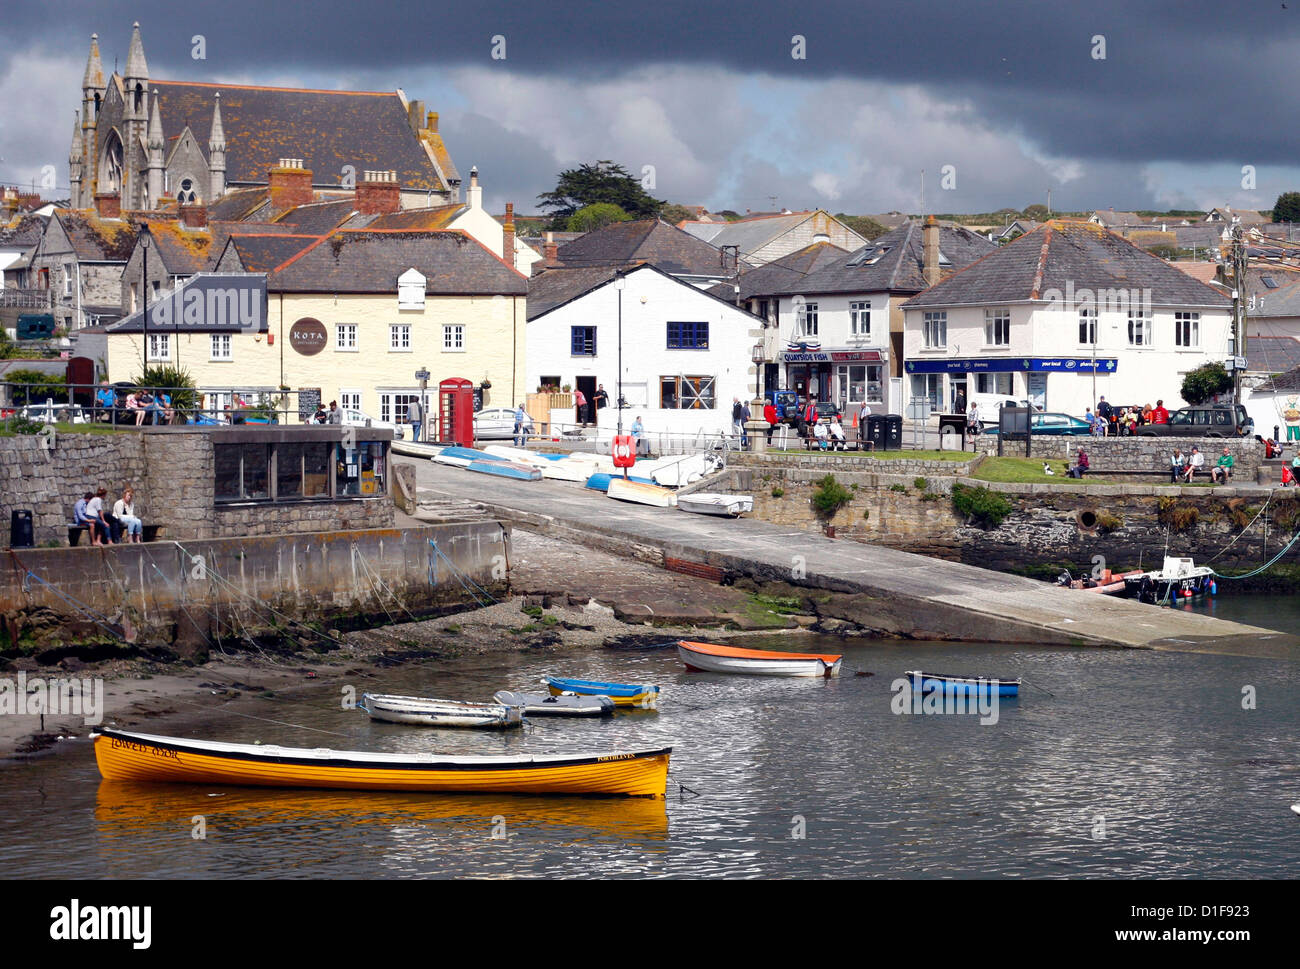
(1112, 103)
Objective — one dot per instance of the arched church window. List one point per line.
(186, 195)
(139, 95)
(111, 177)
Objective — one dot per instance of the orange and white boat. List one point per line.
(712, 658)
(126, 756)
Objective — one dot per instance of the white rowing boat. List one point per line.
(709, 503)
(642, 494)
(561, 705)
(427, 712)
(713, 658)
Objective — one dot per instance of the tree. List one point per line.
(34, 386)
(863, 225)
(595, 216)
(601, 182)
(674, 213)
(1287, 207)
(1204, 382)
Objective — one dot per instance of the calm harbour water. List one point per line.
(1141, 764)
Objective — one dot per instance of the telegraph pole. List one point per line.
(1238, 308)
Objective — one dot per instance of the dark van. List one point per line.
(1211, 420)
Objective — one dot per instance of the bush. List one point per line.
(1108, 522)
(830, 496)
(982, 507)
(778, 492)
(176, 383)
(37, 386)
(1176, 515)
(920, 484)
(1204, 382)
(866, 514)
(901, 489)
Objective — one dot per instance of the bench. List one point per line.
(151, 532)
(75, 532)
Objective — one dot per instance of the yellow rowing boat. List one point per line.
(126, 756)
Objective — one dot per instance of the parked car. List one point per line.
(785, 401)
(1057, 424)
(494, 424)
(355, 418)
(1217, 420)
(58, 414)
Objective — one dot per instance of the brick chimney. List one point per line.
(551, 249)
(194, 216)
(431, 122)
(379, 193)
(930, 245)
(508, 242)
(290, 185)
(108, 205)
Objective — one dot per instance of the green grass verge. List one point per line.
(882, 455)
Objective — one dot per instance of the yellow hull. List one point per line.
(136, 757)
(647, 698)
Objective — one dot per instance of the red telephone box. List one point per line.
(456, 412)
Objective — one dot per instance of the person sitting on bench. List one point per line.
(1080, 466)
(1222, 470)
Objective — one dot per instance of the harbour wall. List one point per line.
(1147, 454)
(180, 598)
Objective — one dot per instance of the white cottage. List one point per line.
(684, 353)
(1062, 316)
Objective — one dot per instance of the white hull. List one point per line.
(683, 471)
(642, 494)
(568, 469)
(517, 454)
(423, 712)
(413, 450)
(757, 667)
(704, 503)
(454, 462)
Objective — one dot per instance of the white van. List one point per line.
(991, 404)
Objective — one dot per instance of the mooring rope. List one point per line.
(1242, 532)
(1266, 566)
(473, 588)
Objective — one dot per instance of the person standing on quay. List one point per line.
(1159, 415)
(599, 400)
(415, 417)
(580, 402)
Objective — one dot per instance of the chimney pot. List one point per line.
(379, 193)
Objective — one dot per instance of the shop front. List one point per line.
(946, 385)
(849, 378)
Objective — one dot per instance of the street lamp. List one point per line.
(620, 283)
(146, 240)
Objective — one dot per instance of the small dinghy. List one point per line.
(123, 756)
(413, 449)
(425, 712)
(507, 469)
(563, 705)
(569, 469)
(516, 454)
(460, 457)
(963, 685)
(601, 479)
(623, 694)
(712, 658)
(642, 494)
(709, 503)
(682, 471)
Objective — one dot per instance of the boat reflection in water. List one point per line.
(152, 830)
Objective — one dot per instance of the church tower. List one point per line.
(217, 155)
(135, 122)
(92, 99)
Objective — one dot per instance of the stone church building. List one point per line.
(137, 140)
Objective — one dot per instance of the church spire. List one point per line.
(155, 156)
(94, 77)
(217, 154)
(135, 62)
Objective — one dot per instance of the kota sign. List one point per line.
(213, 302)
(308, 336)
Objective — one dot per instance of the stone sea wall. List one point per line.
(1144, 453)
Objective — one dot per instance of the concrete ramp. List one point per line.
(894, 592)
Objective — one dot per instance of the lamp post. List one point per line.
(146, 240)
(620, 283)
(757, 428)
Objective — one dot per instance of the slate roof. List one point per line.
(779, 273)
(423, 220)
(750, 234)
(239, 204)
(97, 240)
(1246, 216)
(1058, 253)
(1284, 301)
(368, 261)
(318, 218)
(892, 263)
(645, 240)
(554, 287)
(1287, 381)
(262, 253)
(1206, 272)
(1272, 354)
(23, 232)
(326, 129)
(1257, 276)
(1112, 219)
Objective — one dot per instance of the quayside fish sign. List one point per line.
(214, 302)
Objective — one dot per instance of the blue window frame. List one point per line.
(584, 341)
(688, 336)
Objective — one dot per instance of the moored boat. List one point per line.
(641, 494)
(1178, 580)
(568, 469)
(709, 503)
(428, 712)
(675, 472)
(124, 756)
(623, 694)
(712, 658)
(601, 479)
(562, 705)
(963, 685)
(461, 457)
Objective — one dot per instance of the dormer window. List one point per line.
(410, 290)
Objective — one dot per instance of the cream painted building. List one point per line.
(351, 317)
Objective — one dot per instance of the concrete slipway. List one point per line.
(895, 592)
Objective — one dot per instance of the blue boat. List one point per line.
(506, 469)
(463, 455)
(600, 480)
(623, 694)
(963, 685)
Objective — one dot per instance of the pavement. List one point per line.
(895, 592)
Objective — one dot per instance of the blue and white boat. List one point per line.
(506, 469)
(460, 457)
(962, 685)
(623, 694)
(601, 479)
